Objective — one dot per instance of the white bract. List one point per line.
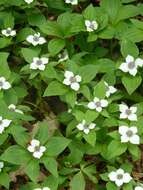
(1, 166)
(28, 1)
(44, 188)
(85, 127)
(128, 112)
(139, 188)
(63, 56)
(8, 32)
(39, 63)
(4, 123)
(91, 25)
(5, 85)
(131, 65)
(72, 2)
(36, 149)
(72, 80)
(120, 177)
(36, 39)
(12, 107)
(109, 89)
(98, 104)
(129, 134)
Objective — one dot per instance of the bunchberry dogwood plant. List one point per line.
(91, 25)
(128, 112)
(72, 80)
(119, 177)
(98, 104)
(83, 126)
(129, 134)
(71, 94)
(8, 32)
(39, 63)
(36, 149)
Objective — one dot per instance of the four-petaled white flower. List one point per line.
(128, 112)
(72, 80)
(129, 134)
(109, 89)
(63, 56)
(131, 65)
(1, 166)
(85, 127)
(4, 123)
(44, 188)
(36, 148)
(5, 85)
(73, 2)
(91, 25)
(36, 39)
(39, 63)
(8, 32)
(98, 104)
(139, 188)
(120, 177)
(12, 107)
(28, 1)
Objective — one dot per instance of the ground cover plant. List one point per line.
(71, 94)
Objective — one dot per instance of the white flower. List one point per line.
(97, 104)
(28, 1)
(119, 177)
(39, 63)
(63, 56)
(36, 39)
(128, 112)
(131, 65)
(4, 123)
(12, 107)
(36, 149)
(91, 25)
(72, 80)
(73, 2)
(44, 188)
(85, 127)
(1, 166)
(129, 134)
(109, 89)
(138, 188)
(4, 84)
(8, 32)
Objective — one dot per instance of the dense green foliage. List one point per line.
(71, 94)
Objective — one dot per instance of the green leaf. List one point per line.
(4, 180)
(4, 68)
(4, 42)
(90, 138)
(111, 7)
(42, 131)
(29, 54)
(131, 83)
(126, 12)
(129, 48)
(51, 165)
(33, 170)
(88, 73)
(78, 182)
(116, 148)
(55, 46)
(55, 88)
(100, 90)
(135, 151)
(110, 186)
(16, 155)
(71, 98)
(56, 145)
